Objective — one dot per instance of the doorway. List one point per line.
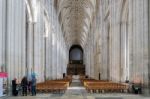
(76, 66)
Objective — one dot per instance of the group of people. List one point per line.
(26, 86)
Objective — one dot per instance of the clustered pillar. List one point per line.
(119, 49)
(31, 40)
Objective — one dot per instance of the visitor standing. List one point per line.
(24, 84)
(14, 85)
(33, 85)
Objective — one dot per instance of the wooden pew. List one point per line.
(53, 86)
(92, 85)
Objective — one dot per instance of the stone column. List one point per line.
(138, 42)
(92, 67)
(130, 36)
(147, 79)
(54, 56)
(145, 43)
(88, 60)
(124, 72)
(50, 48)
(103, 41)
(3, 35)
(88, 66)
(58, 54)
(115, 41)
(50, 54)
(149, 43)
(29, 47)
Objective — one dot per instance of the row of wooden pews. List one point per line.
(99, 86)
(54, 86)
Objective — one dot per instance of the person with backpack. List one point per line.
(33, 85)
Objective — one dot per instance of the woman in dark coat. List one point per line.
(14, 85)
(24, 84)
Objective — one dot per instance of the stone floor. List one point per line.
(79, 96)
(77, 91)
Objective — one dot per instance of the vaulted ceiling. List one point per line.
(75, 18)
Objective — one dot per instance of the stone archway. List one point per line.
(76, 66)
(76, 55)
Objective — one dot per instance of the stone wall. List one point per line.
(31, 40)
(120, 46)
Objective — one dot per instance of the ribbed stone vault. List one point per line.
(75, 17)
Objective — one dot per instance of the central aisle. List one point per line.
(76, 88)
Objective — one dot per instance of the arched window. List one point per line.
(76, 54)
